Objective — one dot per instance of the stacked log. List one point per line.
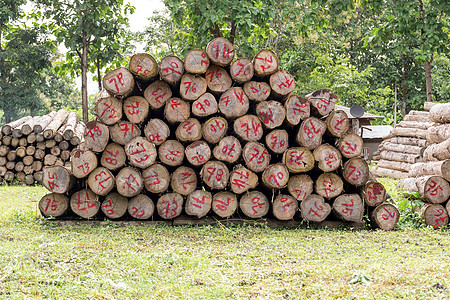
(215, 135)
(404, 146)
(30, 143)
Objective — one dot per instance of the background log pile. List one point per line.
(30, 143)
(217, 135)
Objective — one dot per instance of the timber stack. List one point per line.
(430, 178)
(214, 134)
(31, 143)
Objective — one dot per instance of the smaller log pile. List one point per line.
(404, 146)
(220, 136)
(30, 143)
(434, 191)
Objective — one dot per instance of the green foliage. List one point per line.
(441, 78)
(409, 207)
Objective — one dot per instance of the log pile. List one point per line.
(213, 134)
(404, 146)
(31, 143)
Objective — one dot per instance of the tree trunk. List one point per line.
(277, 141)
(140, 152)
(198, 203)
(177, 110)
(184, 180)
(437, 152)
(57, 179)
(224, 204)
(192, 86)
(205, 105)
(198, 153)
(356, 171)
(322, 102)
(101, 181)
(129, 182)
(271, 113)
(108, 109)
(265, 63)
(394, 165)
(241, 70)
(169, 205)
(171, 68)
(438, 134)
(284, 207)
(439, 168)
(119, 83)
(385, 216)
(114, 157)
(189, 131)
(440, 113)
(282, 84)
(314, 208)
(275, 176)
(123, 132)
(84, 67)
(400, 157)
(8, 128)
(429, 90)
(257, 91)
(156, 131)
(215, 174)
(234, 103)
(350, 145)
(83, 163)
(143, 66)
(196, 61)
(53, 126)
(114, 206)
(337, 123)
(220, 51)
(171, 153)
(228, 150)
(156, 179)
(85, 204)
(434, 215)
(53, 205)
(329, 185)
(298, 160)
(141, 207)
(256, 156)
(403, 148)
(300, 186)
(349, 207)
(328, 158)
(254, 204)
(310, 133)
(218, 80)
(214, 129)
(373, 193)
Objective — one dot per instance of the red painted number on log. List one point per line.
(199, 158)
(127, 129)
(219, 125)
(128, 183)
(172, 155)
(112, 160)
(347, 209)
(222, 205)
(295, 157)
(310, 131)
(217, 74)
(286, 203)
(267, 116)
(298, 109)
(225, 52)
(255, 201)
(52, 204)
(110, 109)
(250, 126)
(277, 142)
(133, 109)
(85, 203)
(84, 167)
(172, 68)
(141, 159)
(190, 86)
(52, 184)
(317, 207)
(106, 204)
(201, 106)
(141, 71)
(100, 176)
(260, 158)
(228, 150)
(153, 176)
(135, 211)
(286, 84)
(93, 132)
(439, 213)
(217, 171)
(330, 159)
(155, 137)
(242, 181)
(171, 207)
(184, 177)
(275, 177)
(242, 69)
(199, 202)
(188, 125)
(299, 192)
(258, 90)
(325, 105)
(158, 95)
(203, 62)
(353, 170)
(352, 148)
(373, 192)
(338, 123)
(388, 215)
(328, 184)
(433, 188)
(117, 80)
(265, 61)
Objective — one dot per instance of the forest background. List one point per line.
(366, 51)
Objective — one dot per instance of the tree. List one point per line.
(83, 26)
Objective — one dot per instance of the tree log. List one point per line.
(43, 122)
(141, 207)
(314, 208)
(129, 182)
(394, 165)
(123, 132)
(337, 123)
(192, 86)
(85, 203)
(271, 113)
(31, 138)
(385, 216)
(215, 174)
(140, 152)
(310, 133)
(37, 166)
(349, 207)
(143, 66)
(156, 178)
(434, 215)
(229, 149)
(322, 102)
(329, 185)
(101, 181)
(114, 206)
(53, 205)
(300, 186)
(170, 205)
(171, 69)
(220, 51)
(416, 118)
(234, 103)
(254, 204)
(407, 132)
(257, 91)
(265, 63)
(439, 168)
(277, 141)
(437, 152)
(224, 204)
(328, 158)
(136, 109)
(356, 171)
(373, 193)
(198, 153)
(19, 167)
(350, 145)
(189, 130)
(83, 163)
(298, 160)
(198, 203)
(184, 180)
(177, 110)
(282, 84)
(196, 61)
(256, 156)
(171, 153)
(57, 121)
(440, 113)
(78, 137)
(275, 176)
(214, 129)
(383, 172)
(433, 189)
(57, 179)
(8, 128)
(157, 94)
(156, 131)
(114, 157)
(205, 105)
(119, 82)
(242, 179)
(401, 157)
(217, 79)
(248, 128)
(284, 207)
(403, 148)
(4, 150)
(96, 136)
(438, 134)
(39, 154)
(297, 109)
(241, 70)
(415, 124)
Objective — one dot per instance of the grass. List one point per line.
(40, 260)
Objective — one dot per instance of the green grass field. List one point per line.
(40, 260)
